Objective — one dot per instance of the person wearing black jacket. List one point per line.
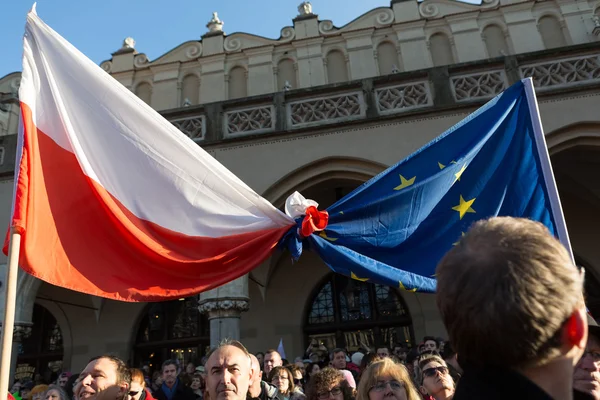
(172, 387)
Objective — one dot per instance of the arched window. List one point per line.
(144, 92)
(387, 58)
(337, 70)
(237, 83)
(345, 313)
(190, 90)
(551, 31)
(286, 73)
(441, 50)
(41, 352)
(171, 330)
(495, 41)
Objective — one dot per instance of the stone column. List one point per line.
(224, 306)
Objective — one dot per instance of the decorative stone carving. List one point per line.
(395, 69)
(305, 8)
(326, 27)
(106, 66)
(404, 97)
(481, 85)
(227, 305)
(330, 109)
(193, 127)
(232, 43)
(140, 61)
(14, 86)
(287, 86)
(128, 43)
(288, 33)
(565, 72)
(215, 24)
(194, 50)
(249, 121)
(186, 102)
(385, 17)
(596, 20)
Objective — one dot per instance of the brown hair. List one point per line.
(37, 390)
(386, 367)
(504, 292)
(276, 371)
(323, 380)
(123, 373)
(138, 376)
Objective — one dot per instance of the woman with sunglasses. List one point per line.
(137, 389)
(385, 378)
(328, 384)
(435, 378)
(282, 378)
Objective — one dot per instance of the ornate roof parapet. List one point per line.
(215, 25)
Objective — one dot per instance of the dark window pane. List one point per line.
(322, 310)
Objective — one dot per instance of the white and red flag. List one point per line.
(113, 200)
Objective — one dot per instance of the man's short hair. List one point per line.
(123, 372)
(505, 291)
(432, 338)
(234, 343)
(168, 362)
(338, 350)
(272, 351)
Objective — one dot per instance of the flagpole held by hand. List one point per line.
(9, 309)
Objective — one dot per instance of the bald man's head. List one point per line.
(255, 389)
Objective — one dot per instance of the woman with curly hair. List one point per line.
(384, 379)
(282, 378)
(328, 384)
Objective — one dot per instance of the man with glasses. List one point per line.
(435, 380)
(586, 379)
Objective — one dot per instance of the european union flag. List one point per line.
(395, 228)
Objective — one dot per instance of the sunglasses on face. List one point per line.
(431, 372)
(298, 381)
(133, 394)
(325, 395)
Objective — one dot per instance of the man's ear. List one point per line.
(423, 391)
(575, 331)
(123, 390)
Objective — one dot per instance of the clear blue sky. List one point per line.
(98, 28)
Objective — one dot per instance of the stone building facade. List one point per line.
(321, 110)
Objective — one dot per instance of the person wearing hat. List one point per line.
(586, 378)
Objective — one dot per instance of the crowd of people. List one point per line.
(511, 300)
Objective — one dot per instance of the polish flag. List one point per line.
(112, 200)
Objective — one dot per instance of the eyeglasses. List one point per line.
(297, 381)
(382, 385)
(325, 395)
(594, 354)
(431, 372)
(132, 394)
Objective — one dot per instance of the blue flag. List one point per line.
(395, 228)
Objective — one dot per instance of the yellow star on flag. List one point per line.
(405, 182)
(459, 174)
(442, 166)
(404, 288)
(324, 236)
(353, 276)
(464, 207)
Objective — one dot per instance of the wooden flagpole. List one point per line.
(9, 310)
